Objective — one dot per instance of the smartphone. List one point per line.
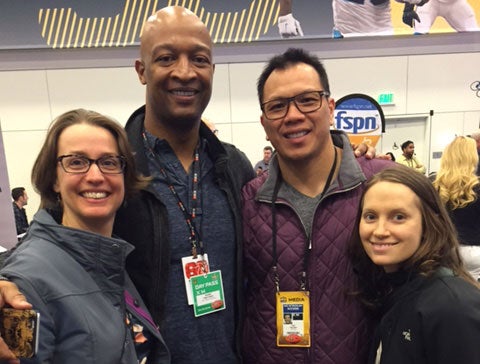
(19, 330)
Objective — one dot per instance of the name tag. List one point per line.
(293, 319)
(207, 290)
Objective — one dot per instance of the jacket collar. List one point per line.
(350, 173)
(89, 249)
(135, 127)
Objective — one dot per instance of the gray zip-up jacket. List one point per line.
(77, 281)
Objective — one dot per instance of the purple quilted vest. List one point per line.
(340, 329)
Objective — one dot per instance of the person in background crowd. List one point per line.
(181, 155)
(20, 199)
(405, 251)
(476, 136)
(265, 162)
(409, 159)
(297, 220)
(390, 156)
(459, 189)
(68, 265)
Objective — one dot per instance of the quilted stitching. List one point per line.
(340, 332)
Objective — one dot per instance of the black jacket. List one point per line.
(143, 221)
(431, 320)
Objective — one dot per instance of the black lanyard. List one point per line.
(303, 274)
(195, 238)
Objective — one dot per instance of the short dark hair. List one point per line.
(268, 148)
(44, 173)
(406, 144)
(391, 155)
(17, 192)
(289, 58)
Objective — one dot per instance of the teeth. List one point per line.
(94, 194)
(183, 93)
(296, 135)
(378, 244)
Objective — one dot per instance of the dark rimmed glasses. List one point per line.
(305, 102)
(109, 164)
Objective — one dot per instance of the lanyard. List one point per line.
(303, 274)
(195, 238)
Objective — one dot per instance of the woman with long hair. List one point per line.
(458, 186)
(405, 252)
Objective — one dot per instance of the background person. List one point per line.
(68, 265)
(20, 200)
(459, 189)
(391, 156)
(409, 159)
(405, 251)
(298, 217)
(265, 162)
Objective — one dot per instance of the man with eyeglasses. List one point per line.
(297, 221)
(172, 145)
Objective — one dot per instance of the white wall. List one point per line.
(29, 100)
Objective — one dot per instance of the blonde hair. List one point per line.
(456, 178)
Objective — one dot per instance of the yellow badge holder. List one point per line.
(293, 319)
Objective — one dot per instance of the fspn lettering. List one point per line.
(353, 124)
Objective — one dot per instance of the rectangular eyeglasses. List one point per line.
(109, 164)
(305, 102)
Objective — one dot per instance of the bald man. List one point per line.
(187, 221)
(190, 214)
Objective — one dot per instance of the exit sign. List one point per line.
(385, 99)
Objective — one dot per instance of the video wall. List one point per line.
(117, 23)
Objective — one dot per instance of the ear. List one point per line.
(56, 188)
(140, 68)
(331, 110)
(262, 121)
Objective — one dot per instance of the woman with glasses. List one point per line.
(69, 267)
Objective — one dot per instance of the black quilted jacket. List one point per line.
(143, 220)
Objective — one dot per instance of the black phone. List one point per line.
(19, 330)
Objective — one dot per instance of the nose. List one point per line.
(94, 173)
(293, 112)
(381, 229)
(183, 68)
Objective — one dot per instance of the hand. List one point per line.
(409, 15)
(363, 149)
(288, 26)
(10, 295)
(6, 356)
